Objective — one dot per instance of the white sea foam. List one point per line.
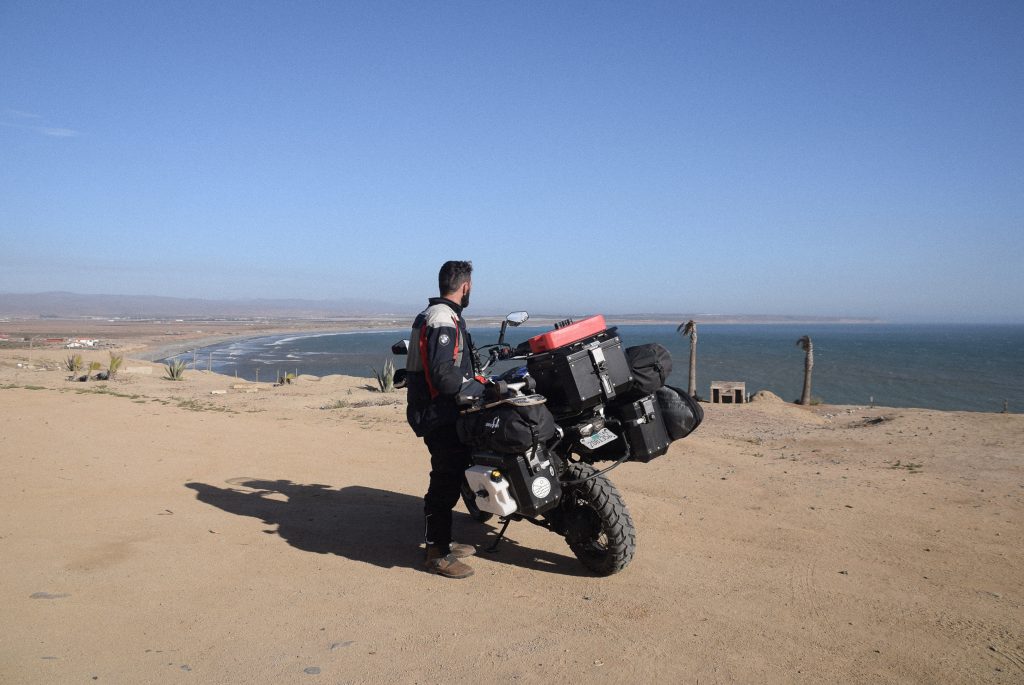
(306, 336)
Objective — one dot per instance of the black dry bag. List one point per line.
(681, 413)
(650, 365)
(507, 428)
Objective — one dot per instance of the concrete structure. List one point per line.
(728, 392)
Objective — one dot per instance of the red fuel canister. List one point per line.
(567, 334)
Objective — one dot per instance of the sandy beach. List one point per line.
(216, 531)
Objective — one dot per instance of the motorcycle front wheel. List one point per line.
(469, 499)
(598, 526)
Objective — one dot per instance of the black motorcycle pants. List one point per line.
(449, 460)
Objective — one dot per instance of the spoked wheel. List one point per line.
(469, 499)
(598, 526)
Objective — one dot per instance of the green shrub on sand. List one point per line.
(385, 378)
(175, 370)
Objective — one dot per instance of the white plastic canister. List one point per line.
(492, 493)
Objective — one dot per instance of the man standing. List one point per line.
(439, 369)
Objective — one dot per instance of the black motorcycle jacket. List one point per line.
(439, 366)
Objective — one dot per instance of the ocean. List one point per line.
(952, 367)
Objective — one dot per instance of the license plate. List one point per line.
(601, 437)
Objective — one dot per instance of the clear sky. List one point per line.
(819, 158)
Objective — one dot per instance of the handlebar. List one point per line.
(498, 352)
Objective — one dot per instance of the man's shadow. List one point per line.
(364, 524)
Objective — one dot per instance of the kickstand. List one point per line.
(501, 536)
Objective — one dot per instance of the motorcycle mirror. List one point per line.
(400, 347)
(517, 318)
(513, 319)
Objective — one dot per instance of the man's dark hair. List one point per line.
(453, 275)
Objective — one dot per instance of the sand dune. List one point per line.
(223, 532)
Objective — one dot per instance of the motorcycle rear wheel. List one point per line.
(599, 528)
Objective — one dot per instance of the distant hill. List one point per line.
(64, 305)
(73, 305)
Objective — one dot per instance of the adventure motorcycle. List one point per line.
(539, 429)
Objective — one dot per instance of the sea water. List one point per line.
(955, 367)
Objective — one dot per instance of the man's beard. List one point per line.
(465, 300)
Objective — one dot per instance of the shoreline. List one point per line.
(153, 343)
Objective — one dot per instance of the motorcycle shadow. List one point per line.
(365, 524)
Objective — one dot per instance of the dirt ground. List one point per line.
(221, 532)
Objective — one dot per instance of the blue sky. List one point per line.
(836, 159)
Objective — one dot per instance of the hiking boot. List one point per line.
(460, 551)
(448, 566)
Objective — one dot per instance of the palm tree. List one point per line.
(690, 328)
(808, 347)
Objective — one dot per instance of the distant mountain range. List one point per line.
(64, 305)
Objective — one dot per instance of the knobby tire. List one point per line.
(612, 544)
